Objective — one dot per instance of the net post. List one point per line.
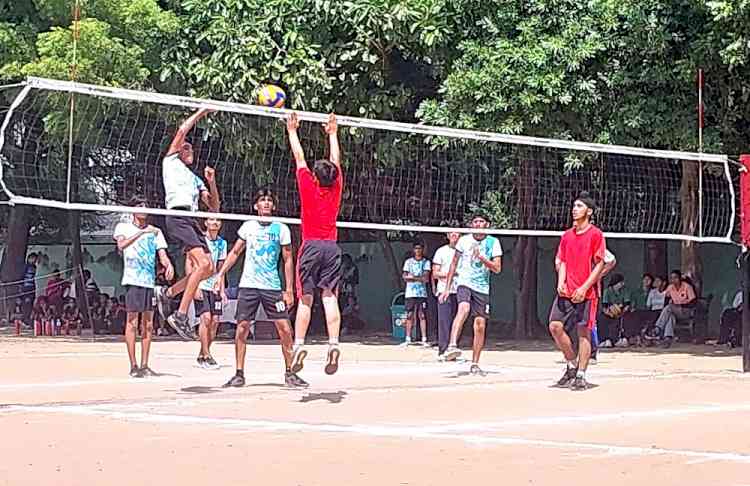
(744, 258)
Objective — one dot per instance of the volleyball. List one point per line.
(271, 96)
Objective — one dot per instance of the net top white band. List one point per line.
(152, 97)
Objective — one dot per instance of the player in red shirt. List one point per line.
(581, 257)
(319, 258)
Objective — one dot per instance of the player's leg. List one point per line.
(480, 326)
(131, 329)
(422, 313)
(203, 267)
(584, 353)
(333, 323)
(411, 311)
(248, 301)
(284, 328)
(446, 313)
(561, 313)
(147, 332)
(307, 269)
(204, 334)
(463, 297)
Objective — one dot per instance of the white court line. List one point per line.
(410, 432)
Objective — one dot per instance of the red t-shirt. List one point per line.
(320, 206)
(581, 252)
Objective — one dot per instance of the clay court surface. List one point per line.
(71, 415)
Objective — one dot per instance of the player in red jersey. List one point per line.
(581, 256)
(319, 258)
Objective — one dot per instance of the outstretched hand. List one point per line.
(210, 174)
(292, 122)
(331, 126)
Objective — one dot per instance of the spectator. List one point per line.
(116, 317)
(28, 288)
(416, 274)
(657, 298)
(89, 284)
(350, 319)
(682, 298)
(71, 317)
(56, 291)
(349, 279)
(615, 303)
(640, 296)
(730, 323)
(42, 311)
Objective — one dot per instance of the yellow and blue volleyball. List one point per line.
(271, 96)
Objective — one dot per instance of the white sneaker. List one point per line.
(425, 344)
(622, 343)
(606, 344)
(405, 344)
(452, 353)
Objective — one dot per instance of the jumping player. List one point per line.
(476, 256)
(140, 243)
(263, 243)
(319, 259)
(182, 190)
(581, 255)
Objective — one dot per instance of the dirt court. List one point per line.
(71, 415)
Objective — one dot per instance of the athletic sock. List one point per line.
(581, 374)
(299, 343)
(572, 364)
(240, 373)
(333, 341)
(408, 339)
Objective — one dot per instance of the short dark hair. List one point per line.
(326, 172)
(480, 213)
(418, 243)
(265, 192)
(676, 272)
(587, 199)
(137, 200)
(648, 275)
(616, 278)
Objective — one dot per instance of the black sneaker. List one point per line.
(135, 372)
(179, 322)
(476, 370)
(567, 377)
(667, 342)
(293, 381)
(148, 372)
(201, 362)
(579, 384)
(163, 303)
(332, 365)
(298, 362)
(236, 381)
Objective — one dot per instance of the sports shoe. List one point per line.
(293, 381)
(606, 344)
(622, 343)
(425, 344)
(235, 381)
(148, 372)
(405, 344)
(441, 358)
(163, 303)
(180, 324)
(201, 362)
(135, 372)
(298, 361)
(667, 342)
(452, 353)
(593, 361)
(332, 363)
(476, 370)
(567, 377)
(579, 384)
(211, 363)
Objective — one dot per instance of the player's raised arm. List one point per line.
(179, 138)
(331, 127)
(211, 197)
(292, 124)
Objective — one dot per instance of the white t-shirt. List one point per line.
(472, 272)
(181, 186)
(416, 268)
(656, 300)
(218, 250)
(139, 259)
(262, 252)
(444, 257)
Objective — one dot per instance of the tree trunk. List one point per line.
(525, 267)
(690, 259)
(14, 257)
(655, 257)
(392, 265)
(77, 255)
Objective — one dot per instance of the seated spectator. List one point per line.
(56, 291)
(657, 298)
(616, 302)
(350, 320)
(681, 297)
(42, 312)
(71, 317)
(730, 323)
(116, 317)
(640, 296)
(646, 312)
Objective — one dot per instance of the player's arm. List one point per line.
(211, 197)
(292, 124)
(451, 274)
(166, 263)
(123, 242)
(232, 257)
(179, 138)
(610, 262)
(288, 257)
(332, 129)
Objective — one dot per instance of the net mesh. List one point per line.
(423, 178)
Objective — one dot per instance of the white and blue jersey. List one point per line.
(139, 258)
(416, 268)
(262, 252)
(218, 250)
(471, 272)
(181, 186)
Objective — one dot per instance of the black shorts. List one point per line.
(248, 301)
(480, 303)
(139, 299)
(318, 266)
(418, 304)
(572, 315)
(211, 303)
(186, 232)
